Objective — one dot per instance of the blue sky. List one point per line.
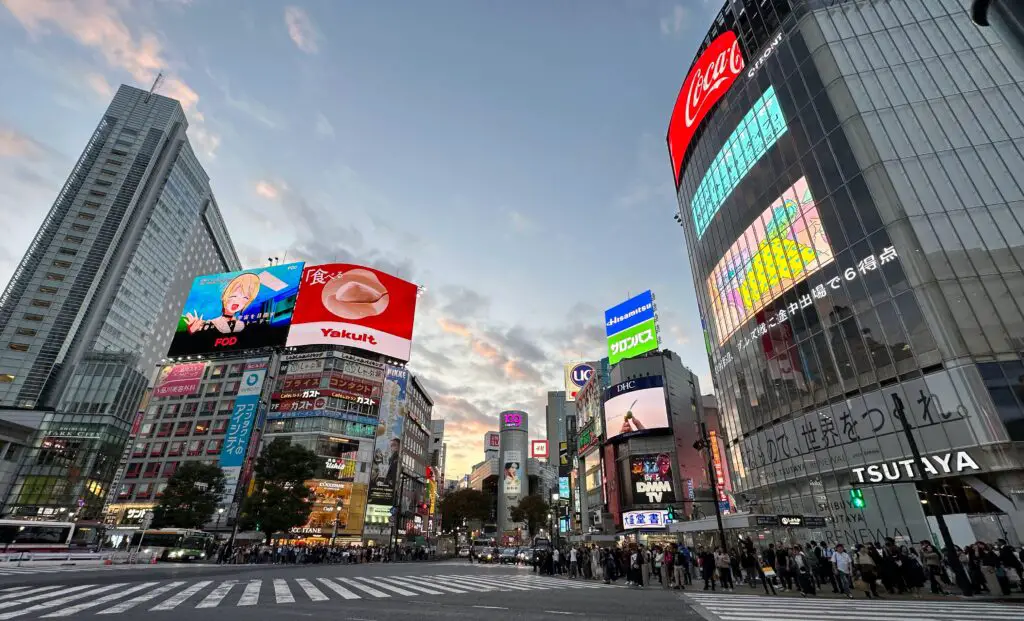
(509, 156)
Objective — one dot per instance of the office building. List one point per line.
(93, 304)
(849, 193)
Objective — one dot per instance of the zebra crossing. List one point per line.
(735, 607)
(54, 601)
(12, 570)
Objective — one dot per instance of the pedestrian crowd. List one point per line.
(262, 553)
(872, 568)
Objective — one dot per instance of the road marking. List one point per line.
(282, 593)
(492, 607)
(559, 612)
(20, 594)
(426, 580)
(172, 602)
(392, 588)
(135, 601)
(362, 587)
(9, 589)
(251, 594)
(213, 599)
(314, 593)
(53, 603)
(337, 588)
(464, 584)
(497, 583)
(414, 587)
(103, 600)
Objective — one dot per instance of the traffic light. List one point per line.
(671, 513)
(857, 498)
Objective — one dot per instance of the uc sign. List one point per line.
(580, 374)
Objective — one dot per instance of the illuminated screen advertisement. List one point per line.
(179, 380)
(635, 406)
(784, 245)
(563, 488)
(757, 131)
(512, 419)
(513, 473)
(387, 447)
(631, 327)
(356, 306)
(651, 476)
(709, 79)
(237, 310)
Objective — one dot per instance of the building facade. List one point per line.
(849, 199)
(514, 433)
(92, 306)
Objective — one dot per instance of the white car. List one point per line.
(464, 552)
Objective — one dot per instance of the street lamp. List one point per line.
(220, 512)
(337, 511)
(704, 443)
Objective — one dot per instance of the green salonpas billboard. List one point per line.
(631, 327)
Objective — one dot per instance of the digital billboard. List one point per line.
(387, 447)
(651, 476)
(757, 131)
(563, 488)
(637, 340)
(355, 306)
(784, 245)
(576, 376)
(237, 310)
(631, 327)
(709, 79)
(635, 406)
(628, 314)
(513, 473)
(179, 380)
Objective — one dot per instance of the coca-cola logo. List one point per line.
(710, 78)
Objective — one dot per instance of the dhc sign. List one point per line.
(950, 463)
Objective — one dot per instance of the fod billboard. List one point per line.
(651, 477)
(631, 327)
(635, 406)
(355, 306)
(237, 310)
(784, 245)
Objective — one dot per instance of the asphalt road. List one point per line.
(374, 592)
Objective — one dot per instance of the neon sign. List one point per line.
(511, 419)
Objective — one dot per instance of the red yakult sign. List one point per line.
(710, 78)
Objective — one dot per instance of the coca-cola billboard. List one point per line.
(709, 78)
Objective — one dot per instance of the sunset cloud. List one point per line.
(453, 327)
(267, 190)
(301, 30)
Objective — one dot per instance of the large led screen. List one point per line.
(355, 306)
(757, 131)
(635, 406)
(784, 245)
(237, 310)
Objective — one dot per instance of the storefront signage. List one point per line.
(512, 420)
(587, 439)
(949, 463)
(654, 518)
(766, 520)
(651, 476)
(812, 521)
(764, 55)
(356, 418)
(791, 520)
(333, 463)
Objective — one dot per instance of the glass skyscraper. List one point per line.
(93, 304)
(865, 271)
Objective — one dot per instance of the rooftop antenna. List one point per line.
(156, 83)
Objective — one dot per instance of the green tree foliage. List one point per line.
(191, 497)
(533, 510)
(280, 500)
(468, 504)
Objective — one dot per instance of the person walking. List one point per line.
(574, 564)
(636, 560)
(843, 575)
(932, 562)
(707, 568)
(724, 567)
(682, 571)
(667, 568)
(866, 560)
(647, 562)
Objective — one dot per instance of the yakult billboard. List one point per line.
(356, 306)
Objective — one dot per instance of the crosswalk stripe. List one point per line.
(53, 603)
(9, 589)
(282, 593)
(21, 594)
(471, 582)
(414, 587)
(314, 593)
(497, 583)
(66, 612)
(174, 601)
(428, 580)
(251, 594)
(337, 588)
(220, 592)
(39, 594)
(372, 591)
(388, 587)
(463, 584)
(145, 597)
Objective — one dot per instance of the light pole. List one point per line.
(220, 512)
(704, 443)
(337, 512)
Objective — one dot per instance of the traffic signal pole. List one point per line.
(714, 481)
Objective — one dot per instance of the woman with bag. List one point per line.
(866, 559)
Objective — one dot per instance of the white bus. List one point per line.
(172, 544)
(39, 536)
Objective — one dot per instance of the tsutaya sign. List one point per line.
(950, 463)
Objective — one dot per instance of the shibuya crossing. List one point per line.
(846, 189)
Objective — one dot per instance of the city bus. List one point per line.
(172, 544)
(41, 536)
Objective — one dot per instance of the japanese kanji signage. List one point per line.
(180, 380)
(652, 518)
(236, 441)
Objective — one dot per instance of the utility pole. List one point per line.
(936, 507)
(705, 444)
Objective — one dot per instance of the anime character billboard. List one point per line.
(237, 310)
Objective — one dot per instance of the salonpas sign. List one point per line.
(905, 469)
(634, 341)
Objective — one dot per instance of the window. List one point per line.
(159, 491)
(74, 239)
(183, 428)
(226, 407)
(152, 469)
(41, 303)
(126, 490)
(147, 428)
(18, 346)
(209, 406)
(60, 263)
(114, 162)
(33, 317)
(195, 447)
(103, 182)
(175, 449)
(133, 471)
(120, 152)
(140, 450)
(108, 172)
(213, 447)
(158, 449)
(230, 388)
(67, 251)
(85, 216)
(79, 227)
(145, 490)
(169, 469)
(47, 289)
(213, 389)
(124, 142)
(220, 426)
(202, 427)
(54, 276)
(98, 193)
(163, 430)
(92, 205)
(189, 408)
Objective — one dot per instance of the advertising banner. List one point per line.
(651, 476)
(492, 441)
(634, 341)
(306, 367)
(513, 419)
(563, 459)
(355, 306)
(237, 310)
(709, 79)
(635, 406)
(783, 246)
(576, 376)
(629, 314)
(587, 438)
(650, 518)
(387, 449)
(513, 473)
(538, 449)
(563, 488)
(236, 440)
(180, 380)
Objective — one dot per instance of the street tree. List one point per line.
(280, 499)
(191, 496)
(464, 504)
(533, 510)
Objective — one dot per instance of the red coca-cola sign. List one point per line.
(710, 78)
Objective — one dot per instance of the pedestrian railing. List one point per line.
(36, 559)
